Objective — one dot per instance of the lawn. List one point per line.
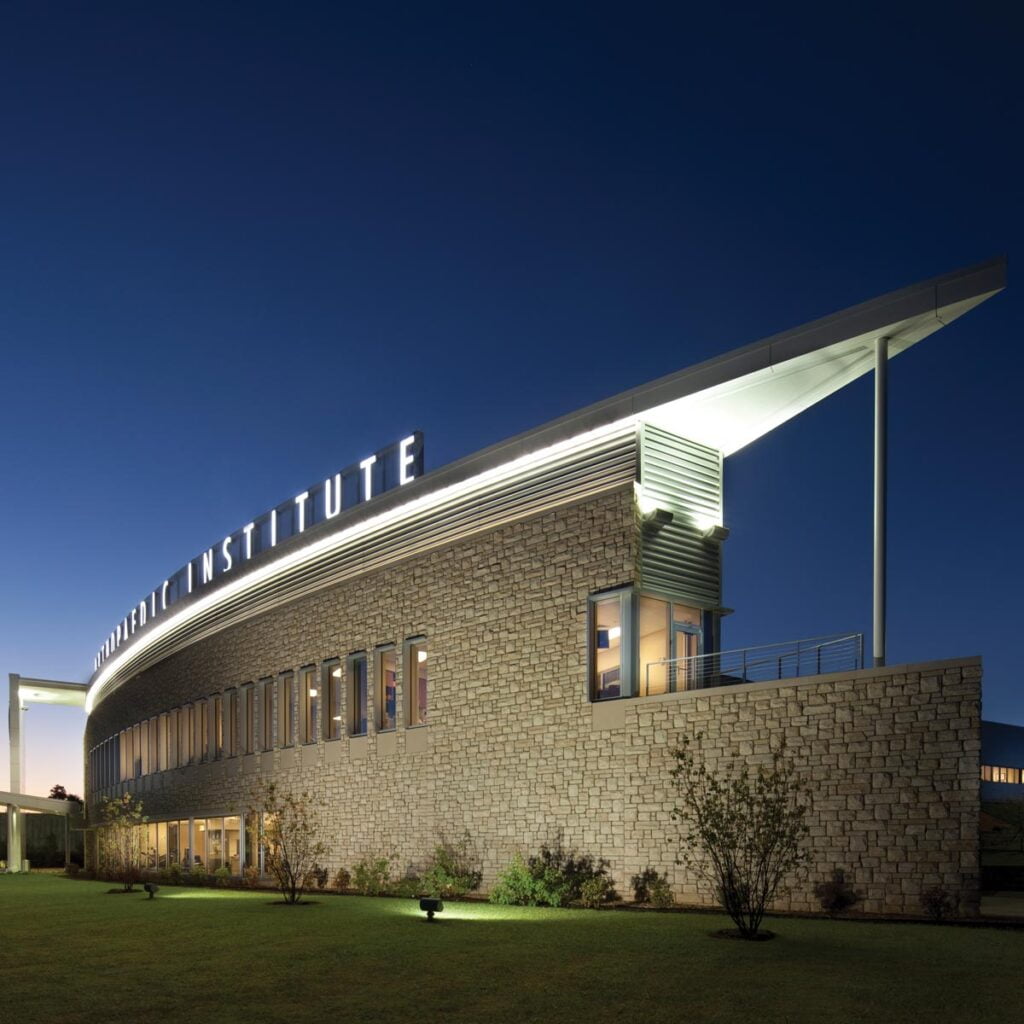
(75, 954)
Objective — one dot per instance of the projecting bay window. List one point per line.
(310, 697)
(267, 714)
(285, 735)
(387, 688)
(331, 684)
(642, 645)
(415, 675)
(357, 694)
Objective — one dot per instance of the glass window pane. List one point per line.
(214, 844)
(606, 648)
(310, 700)
(199, 841)
(332, 704)
(232, 844)
(284, 710)
(653, 640)
(218, 727)
(357, 695)
(416, 674)
(250, 719)
(387, 688)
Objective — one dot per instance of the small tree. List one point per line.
(741, 834)
(292, 839)
(58, 792)
(121, 837)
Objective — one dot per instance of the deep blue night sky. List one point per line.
(243, 245)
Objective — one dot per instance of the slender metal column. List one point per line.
(881, 439)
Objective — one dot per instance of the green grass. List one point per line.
(75, 954)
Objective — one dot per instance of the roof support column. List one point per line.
(15, 831)
(881, 445)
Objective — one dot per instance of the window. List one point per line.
(331, 682)
(357, 694)
(267, 714)
(185, 736)
(387, 688)
(250, 718)
(202, 731)
(136, 732)
(610, 674)
(233, 844)
(641, 645)
(996, 773)
(668, 635)
(285, 737)
(310, 700)
(162, 743)
(218, 727)
(172, 739)
(232, 730)
(416, 681)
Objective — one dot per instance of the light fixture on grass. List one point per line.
(431, 906)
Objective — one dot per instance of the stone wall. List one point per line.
(514, 752)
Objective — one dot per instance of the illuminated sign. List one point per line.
(394, 466)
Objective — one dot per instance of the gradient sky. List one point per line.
(243, 245)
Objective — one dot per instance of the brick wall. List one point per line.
(514, 753)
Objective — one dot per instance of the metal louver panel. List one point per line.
(686, 479)
(604, 466)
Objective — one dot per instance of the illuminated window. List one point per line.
(387, 688)
(415, 675)
(609, 670)
(162, 743)
(232, 723)
(185, 735)
(202, 724)
(285, 736)
(233, 844)
(357, 694)
(331, 682)
(310, 700)
(250, 718)
(267, 714)
(136, 732)
(218, 728)
(668, 636)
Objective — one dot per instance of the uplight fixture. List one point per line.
(431, 906)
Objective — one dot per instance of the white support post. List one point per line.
(15, 829)
(881, 444)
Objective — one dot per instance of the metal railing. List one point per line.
(756, 664)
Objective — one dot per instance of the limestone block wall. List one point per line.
(515, 754)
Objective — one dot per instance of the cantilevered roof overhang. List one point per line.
(726, 403)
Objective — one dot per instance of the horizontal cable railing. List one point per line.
(756, 664)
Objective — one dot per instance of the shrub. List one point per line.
(596, 892)
(175, 875)
(661, 894)
(251, 876)
(72, 870)
(643, 884)
(741, 834)
(292, 839)
(222, 876)
(372, 875)
(515, 886)
(198, 875)
(938, 904)
(411, 887)
(554, 877)
(320, 876)
(453, 869)
(342, 879)
(120, 838)
(836, 895)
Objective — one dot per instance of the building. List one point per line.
(511, 645)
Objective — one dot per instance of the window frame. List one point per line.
(309, 701)
(332, 716)
(379, 653)
(410, 682)
(355, 704)
(285, 717)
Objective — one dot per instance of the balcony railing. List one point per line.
(756, 664)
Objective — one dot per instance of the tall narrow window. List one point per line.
(202, 731)
(357, 694)
(163, 744)
(218, 727)
(172, 738)
(416, 681)
(145, 733)
(608, 666)
(310, 700)
(331, 685)
(122, 752)
(232, 724)
(387, 688)
(285, 735)
(136, 751)
(267, 714)
(250, 718)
